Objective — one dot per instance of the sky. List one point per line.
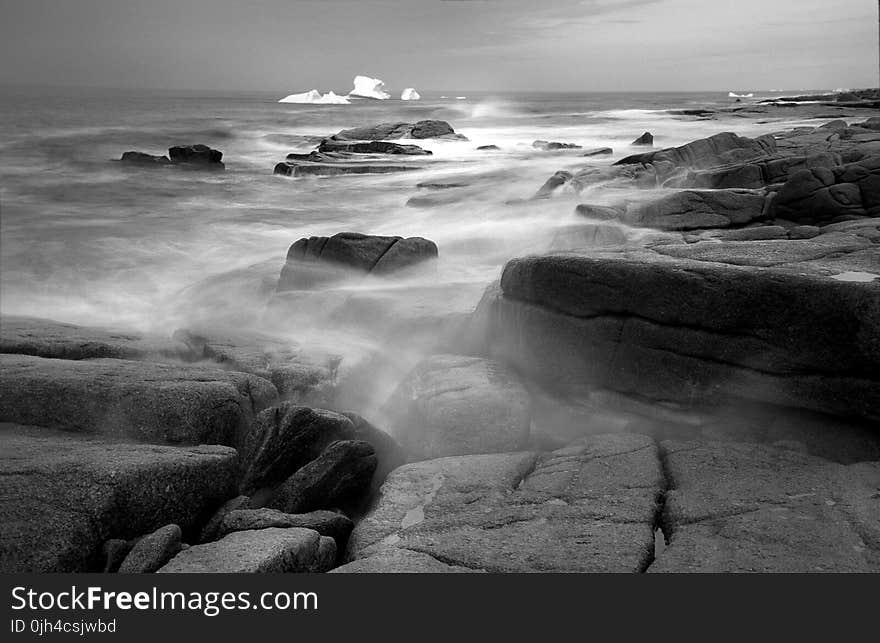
(288, 46)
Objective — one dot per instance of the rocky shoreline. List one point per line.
(688, 380)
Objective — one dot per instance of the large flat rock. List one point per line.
(49, 338)
(262, 551)
(693, 329)
(756, 508)
(145, 401)
(62, 495)
(590, 507)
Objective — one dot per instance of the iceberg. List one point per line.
(366, 87)
(410, 94)
(314, 97)
(733, 95)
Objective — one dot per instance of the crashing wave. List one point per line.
(733, 95)
(366, 87)
(314, 97)
(409, 94)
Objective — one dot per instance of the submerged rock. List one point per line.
(370, 147)
(548, 146)
(198, 154)
(599, 151)
(319, 260)
(459, 405)
(140, 158)
(645, 139)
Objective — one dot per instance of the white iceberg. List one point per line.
(733, 95)
(314, 97)
(410, 94)
(366, 87)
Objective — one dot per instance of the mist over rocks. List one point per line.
(459, 405)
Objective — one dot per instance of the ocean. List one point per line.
(88, 240)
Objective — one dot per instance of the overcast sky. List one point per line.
(289, 46)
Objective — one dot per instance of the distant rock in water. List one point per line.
(191, 156)
(488, 148)
(390, 131)
(549, 146)
(318, 260)
(410, 94)
(366, 87)
(370, 147)
(140, 158)
(196, 155)
(645, 139)
(598, 151)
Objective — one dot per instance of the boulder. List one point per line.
(560, 178)
(700, 324)
(196, 156)
(757, 508)
(459, 405)
(589, 507)
(63, 495)
(598, 151)
(49, 338)
(261, 551)
(317, 260)
(757, 173)
(645, 139)
(549, 146)
(149, 402)
(152, 551)
(488, 148)
(284, 439)
(695, 209)
(140, 158)
(326, 523)
(370, 147)
(339, 477)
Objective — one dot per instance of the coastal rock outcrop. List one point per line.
(775, 321)
(320, 260)
(646, 139)
(370, 147)
(698, 209)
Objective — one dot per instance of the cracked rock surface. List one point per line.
(758, 508)
(589, 507)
